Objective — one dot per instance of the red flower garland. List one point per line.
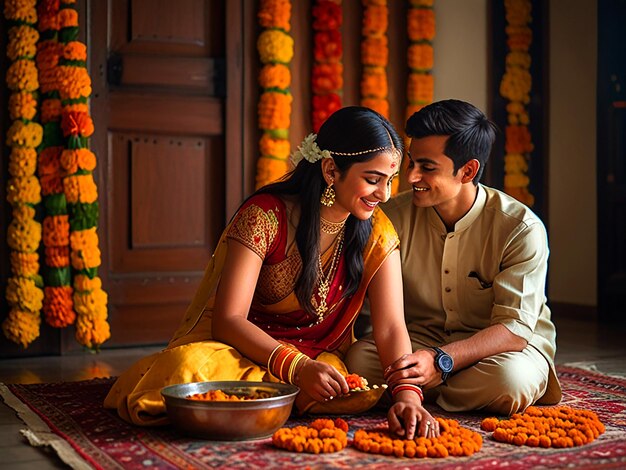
(327, 70)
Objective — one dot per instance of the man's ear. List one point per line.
(329, 170)
(470, 170)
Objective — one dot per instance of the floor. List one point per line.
(582, 342)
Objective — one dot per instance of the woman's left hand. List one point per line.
(408, 418)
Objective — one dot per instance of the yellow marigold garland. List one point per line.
(375, 56)
(327, 70)
(275, 47)
(515, 86)
(24, 288)
(77, 163)
(560, 426)
(58, 306)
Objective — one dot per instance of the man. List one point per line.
(474, 265)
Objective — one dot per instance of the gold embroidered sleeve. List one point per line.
(255, 228)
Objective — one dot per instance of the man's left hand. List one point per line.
(417, 368)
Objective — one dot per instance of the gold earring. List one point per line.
(328, 196)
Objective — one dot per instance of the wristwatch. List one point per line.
(443, 362)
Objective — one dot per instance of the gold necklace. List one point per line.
(324, 281)
(331, 228)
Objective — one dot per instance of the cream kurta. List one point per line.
(491, 269)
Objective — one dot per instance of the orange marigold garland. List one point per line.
(454, 440)
(24, 288)
(275, 47)
(515, 87)
(560, 426)
(58, 306)
(77, 162)
(420, 59)
(322, 436)
(327, 70)
(375, 56)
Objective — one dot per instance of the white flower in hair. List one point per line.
(309, 150)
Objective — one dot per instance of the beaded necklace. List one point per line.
(331, 228)
(324, 283)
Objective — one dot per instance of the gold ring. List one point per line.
(427, 424)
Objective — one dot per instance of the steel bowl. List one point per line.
(229, 420)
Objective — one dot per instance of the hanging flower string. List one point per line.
(24, 288)
(420, 58)
(275, 47)
(515, 87)
(58, 306)
(78, 163)
(327, 71)
(375, 56)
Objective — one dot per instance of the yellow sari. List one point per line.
(192, 356)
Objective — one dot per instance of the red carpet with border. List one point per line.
(70, 418)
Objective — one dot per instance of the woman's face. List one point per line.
(363, 186)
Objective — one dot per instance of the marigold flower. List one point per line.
(327, 46)
(58, 306)
(24, 134)
(21, 327)
(420, 88)
(24, 264)
(68, 18)
(24, 190)
(76, 123)
(275, 76)
(275, 46)
(275, 14)
(91, 304)
(375, 20)
(271, 147)
(80, 188)
(323, 107)
(74, 159)
(49, 161)
(274, 110)
(48, 54)
(24, 294)
(374, 51)
(22, 162)
(421, 24)
(73, 82)
(92, 334)
(83, 283)
(22, 105)
(20, 11)
(326, 77)
(420, 57)
(379, 105)
(22, 75)
(374, 83)
(56, 230)
(518, 140)
(24, 234)
(57, 256)
(327, 15)
(269, 170)
(22, 42)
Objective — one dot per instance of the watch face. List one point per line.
(446, 363)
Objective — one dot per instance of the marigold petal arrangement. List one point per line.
(275, 47)
(560, 426)
(24, 292)
(515, 87)
(321, 436)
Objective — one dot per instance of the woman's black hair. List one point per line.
(361, 133)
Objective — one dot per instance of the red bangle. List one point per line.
(414, 388)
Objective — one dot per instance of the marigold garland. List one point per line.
(560, 426)
(327, 70)
(375, 56)
(515, 86)
(77, 163)
(322, 436)
(420, 60)
(275, 47)
(24, 292)
(58, 306)
(454, 440)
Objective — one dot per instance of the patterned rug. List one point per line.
(70, 418)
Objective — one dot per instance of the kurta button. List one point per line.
(447, 271)
(448, 289)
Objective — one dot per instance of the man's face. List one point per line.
(431, 173)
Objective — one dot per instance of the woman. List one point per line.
(280, 296)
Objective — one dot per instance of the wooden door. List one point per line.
(161, 98)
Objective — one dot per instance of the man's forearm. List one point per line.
(493, 340)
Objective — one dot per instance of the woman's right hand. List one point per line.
(321, 381)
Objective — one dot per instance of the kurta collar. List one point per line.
(467, 219)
